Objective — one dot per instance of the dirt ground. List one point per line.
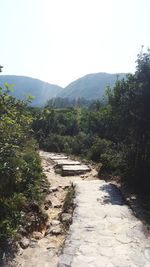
(45, 251)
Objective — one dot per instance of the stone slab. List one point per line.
(104, 233)
(62, 162)
(74, 169)
(58, 157)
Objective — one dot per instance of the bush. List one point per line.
(99, 147)
(20, 166)
(112, 162)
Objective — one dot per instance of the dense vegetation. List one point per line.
(20, 166)
(115, 133)
(58, 102)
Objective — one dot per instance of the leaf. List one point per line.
(9, 87)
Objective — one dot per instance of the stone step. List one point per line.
(61, 162)
(58, 157)
(74, 169)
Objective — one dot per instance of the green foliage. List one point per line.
(20, 166)
(98, 148)
(68, 203)
(112, 162)
(59, 102)
(131, 111)
(115, 132)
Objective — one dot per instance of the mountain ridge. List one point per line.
(91, 87)
(23, 86)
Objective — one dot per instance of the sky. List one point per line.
(59, 41)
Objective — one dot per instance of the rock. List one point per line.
(46, 190)
(20, 251)
(74, 169)
(32, 218)
(51, 247)
(66, 217)
(22, 231)
(37, 235)
(24, 243)
(64, 186)
(48, 230)
(53, 189)
(55, 222)
(55, 230)
(133, 197)
(33, 243)
(22, 214)
(57, 205)
(57, 157)
(46, 207)
(47, 169)
(48, 201)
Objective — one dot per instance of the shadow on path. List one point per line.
(113, 195)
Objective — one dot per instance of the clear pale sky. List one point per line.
(59, 41)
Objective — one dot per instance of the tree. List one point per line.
(1, 68)
(129, 102)
(20, 168)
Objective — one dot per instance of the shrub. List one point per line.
(20, 166)
(99, 147)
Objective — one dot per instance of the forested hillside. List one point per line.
(91, 86)
(24, 86)
(83, 90)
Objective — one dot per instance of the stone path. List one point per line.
(68, 167)
(104, 232)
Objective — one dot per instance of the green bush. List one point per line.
(99, 147)
(112, 162)
(20, 166)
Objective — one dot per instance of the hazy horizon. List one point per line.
(61, 41)
(2, 74)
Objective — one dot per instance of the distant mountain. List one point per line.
(91, 86)
(24, 86)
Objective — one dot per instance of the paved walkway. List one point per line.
(104, 232)
(45, 252)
